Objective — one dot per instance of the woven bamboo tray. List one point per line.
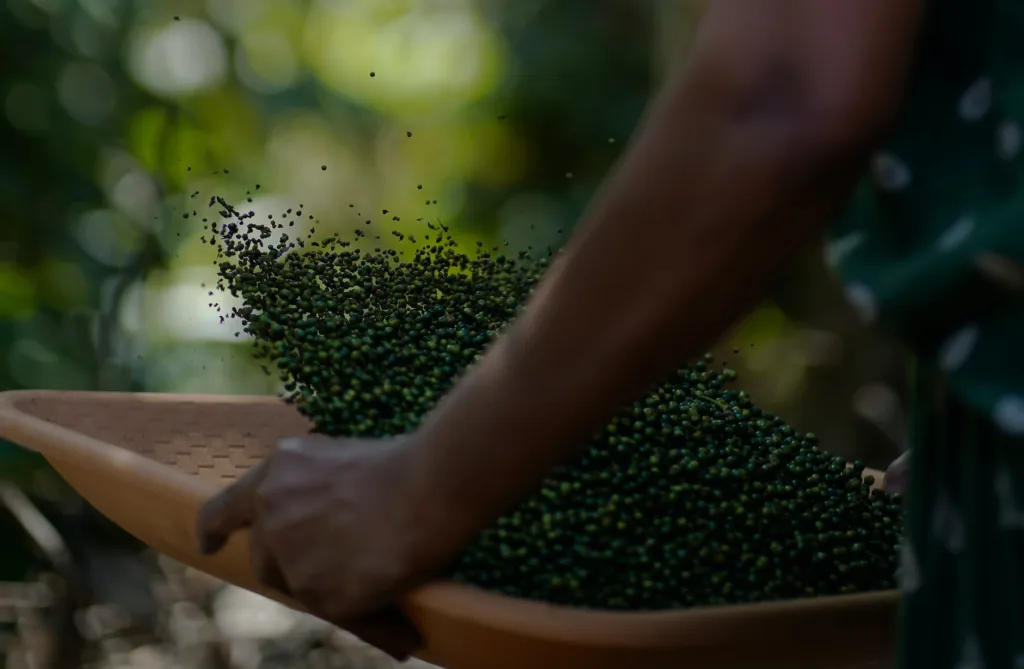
(148, 461)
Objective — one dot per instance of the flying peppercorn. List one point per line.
(690, 496)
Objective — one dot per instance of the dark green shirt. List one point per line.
(933, 244)
(932, 248)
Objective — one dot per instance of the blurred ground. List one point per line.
(186, 620)
(76, 593)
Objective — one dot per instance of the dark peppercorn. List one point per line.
(690, 496)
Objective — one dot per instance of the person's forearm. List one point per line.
(712, 199)
(623, 306)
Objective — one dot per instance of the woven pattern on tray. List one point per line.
(215, 440)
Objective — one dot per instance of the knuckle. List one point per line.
(273, 487)
(272, 494)
(262, 501)
(215, 508)
(215, 514)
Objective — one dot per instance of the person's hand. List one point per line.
(897, 474)
(343, 526)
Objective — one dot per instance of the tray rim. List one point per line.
(696, 627)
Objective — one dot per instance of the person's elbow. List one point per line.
(819, 124)
(845, 124)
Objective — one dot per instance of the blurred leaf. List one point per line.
(423, 60)
(766, 323)
(232, 126)
(17, 292)
(145, 135)
(17, 464)
(61, 284)
(186, 153)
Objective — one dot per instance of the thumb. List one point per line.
(228, 511)
(897, 474)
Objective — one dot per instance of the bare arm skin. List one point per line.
(743, 158)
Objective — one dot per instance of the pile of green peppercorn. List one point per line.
(691, 496)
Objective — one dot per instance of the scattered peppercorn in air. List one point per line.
(691, 496)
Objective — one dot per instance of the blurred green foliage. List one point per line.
(501, 118)
(115, 112)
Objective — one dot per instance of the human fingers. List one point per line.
(263, 558)
(230, 510)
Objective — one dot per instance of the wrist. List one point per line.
(441, 521)
(486, 446)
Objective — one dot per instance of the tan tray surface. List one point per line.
(148, 461)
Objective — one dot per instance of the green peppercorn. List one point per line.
(690, 496)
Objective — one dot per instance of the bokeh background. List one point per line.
(120, 118)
